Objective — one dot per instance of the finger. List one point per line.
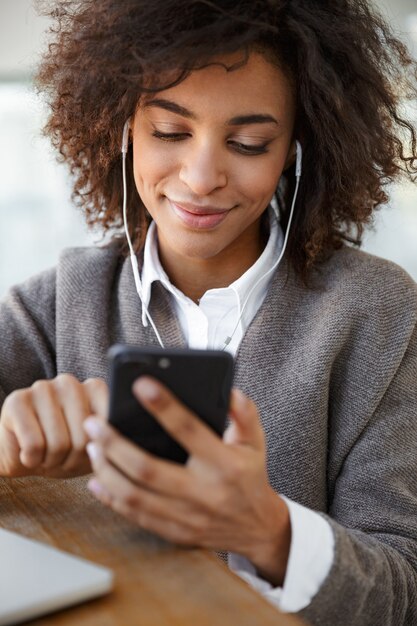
(20, 419)
(162, 476)
(181, 423)
(98, 396)
(119, 487)
(75, 408)
(150, 511)
(52, 421)
(246, 426)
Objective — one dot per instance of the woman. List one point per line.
(245, 123)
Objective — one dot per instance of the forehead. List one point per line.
(258, 86)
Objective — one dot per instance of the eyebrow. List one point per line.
(240, 120)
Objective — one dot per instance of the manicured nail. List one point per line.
(93, 428)
(146, 388)
(93, 451)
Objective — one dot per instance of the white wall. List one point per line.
(22, 33)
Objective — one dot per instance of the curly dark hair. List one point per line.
(351, 77)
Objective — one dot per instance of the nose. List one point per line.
(203, 170)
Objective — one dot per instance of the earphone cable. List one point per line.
(134, 261)
(284, 245)
(133, 258)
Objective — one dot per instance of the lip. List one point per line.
(196, 216)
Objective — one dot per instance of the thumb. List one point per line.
(245, 427)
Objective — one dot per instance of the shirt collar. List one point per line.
(152, 269)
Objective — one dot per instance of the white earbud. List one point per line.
(125, 139)
(133, 258)
(299, 159)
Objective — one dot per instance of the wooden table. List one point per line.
(155, 583)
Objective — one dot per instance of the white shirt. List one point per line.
(207, 325)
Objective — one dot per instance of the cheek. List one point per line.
(150, 167)
(259, 182)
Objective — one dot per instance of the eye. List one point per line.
(169, 136)
(243, 148)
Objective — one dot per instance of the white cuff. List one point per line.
(309, 562)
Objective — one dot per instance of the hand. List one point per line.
(220, 499)
(41, 427)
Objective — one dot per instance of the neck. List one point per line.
(194, 276)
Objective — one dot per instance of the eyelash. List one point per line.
(240, 147)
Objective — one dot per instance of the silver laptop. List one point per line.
(36, 579)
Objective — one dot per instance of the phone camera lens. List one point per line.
(164, 363)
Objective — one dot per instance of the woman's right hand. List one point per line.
(41, 427)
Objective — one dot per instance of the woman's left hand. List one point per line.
(220, 499)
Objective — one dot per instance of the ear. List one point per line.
(291, 156)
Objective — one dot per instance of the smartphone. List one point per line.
(201, 379)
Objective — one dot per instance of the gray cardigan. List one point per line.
(333, 372)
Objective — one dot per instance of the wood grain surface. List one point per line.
(155, 584)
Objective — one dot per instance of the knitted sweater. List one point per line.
(333, 371)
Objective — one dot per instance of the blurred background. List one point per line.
(36, 216)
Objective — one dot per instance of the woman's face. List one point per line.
(208, 155)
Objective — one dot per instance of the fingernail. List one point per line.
(93, 451)
(146, 388)
(94, 486)
(93, 428)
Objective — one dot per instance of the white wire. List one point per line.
(277, 262)
(133, 258)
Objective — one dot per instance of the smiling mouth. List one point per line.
(199, 217)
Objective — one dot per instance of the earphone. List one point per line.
(133, 258)
(298, 170)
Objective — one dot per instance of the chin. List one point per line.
(195, 247)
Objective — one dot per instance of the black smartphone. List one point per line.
(201, 379)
